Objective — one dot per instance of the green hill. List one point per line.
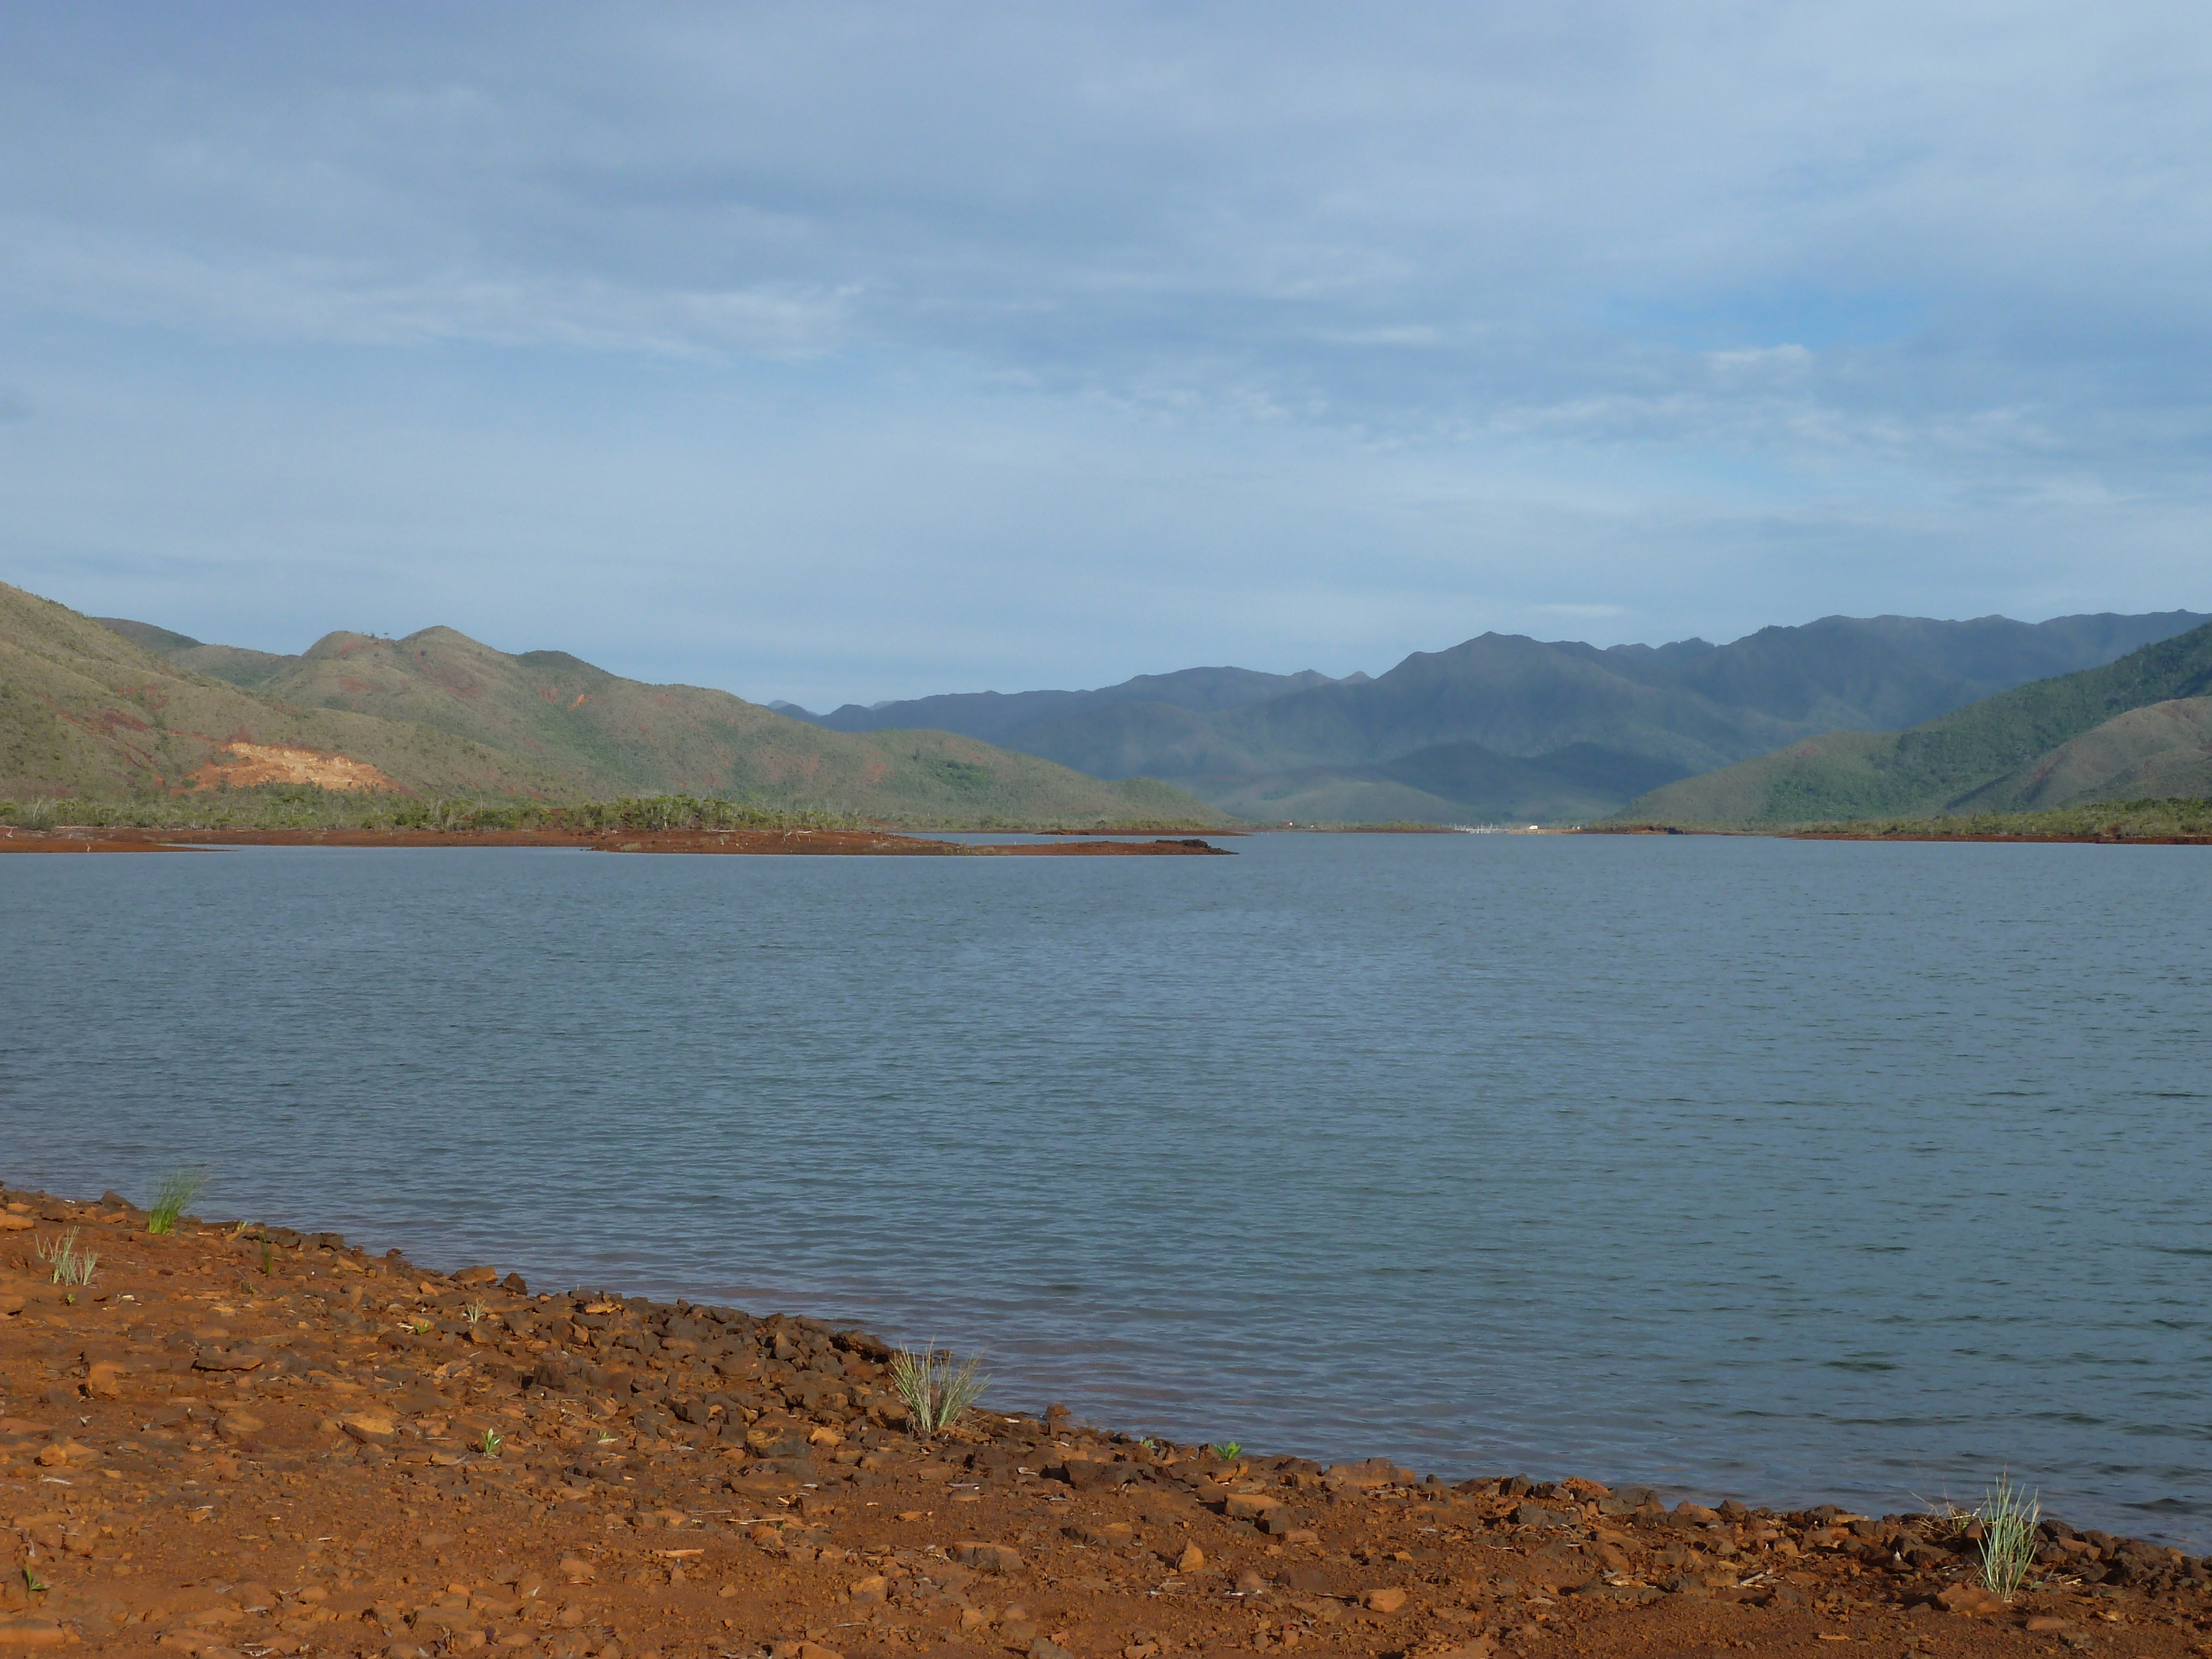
(2128, 729)
(88, 713)
(87, 708)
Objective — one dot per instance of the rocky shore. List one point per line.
(247, 1440)
(867, 842)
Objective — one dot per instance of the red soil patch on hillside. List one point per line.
(264, 762)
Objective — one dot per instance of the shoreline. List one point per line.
(1783, 832)
(802, 842)
(243, 1439)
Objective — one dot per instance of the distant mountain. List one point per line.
(1504, 726)
(2139, 727)
(997, 717)
(222, 662)
(89, 708)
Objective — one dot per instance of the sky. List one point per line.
(843, 352)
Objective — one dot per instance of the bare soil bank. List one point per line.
(872, 842)
(250, 1441)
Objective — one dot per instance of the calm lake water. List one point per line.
(1786, 1171)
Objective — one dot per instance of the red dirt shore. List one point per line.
(870, 842)
(250, 1441)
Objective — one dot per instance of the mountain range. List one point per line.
(112, 708)
(2139, 727)
(1838, 718)
(1503, 726)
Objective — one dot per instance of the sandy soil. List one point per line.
(246, 1440)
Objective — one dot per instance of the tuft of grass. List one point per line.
(490, 1443)
(475, 1311)
(33, 1583)
(936, 1389)
(2007, 1521)
(71, 1265)
(177, 1189)
(1225, 1450)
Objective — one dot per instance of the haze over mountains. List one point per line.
(1506, 727)
(121, 708)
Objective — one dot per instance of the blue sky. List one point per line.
(850, 352)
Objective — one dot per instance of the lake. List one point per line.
(1789, 1172)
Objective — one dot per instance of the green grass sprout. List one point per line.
(71, 1266)
(177, 1189)
(2007, 1521)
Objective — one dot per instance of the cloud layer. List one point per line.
(871, 350)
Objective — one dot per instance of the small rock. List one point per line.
(476, 1276)
(103, 1380)
(986, 1558)
(1374, 1471)
(1386, 1598)
(1250, 1505)
(1191, 1559)
(1250, 1583)
(2048, 1623)
(227, 1359)
(1971, 1602)
(1536, 1515)
(577, 1571)
(1044, 1647)
(31, 1633)
(872, 1589)
(973, 1619)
